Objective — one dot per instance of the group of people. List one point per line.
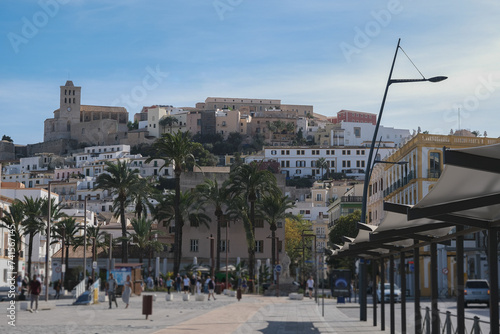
(190, 285)
(110, 290)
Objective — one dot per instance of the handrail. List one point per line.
(80, 289)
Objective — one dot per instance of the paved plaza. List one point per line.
(252, 314)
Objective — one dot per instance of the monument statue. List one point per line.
(285, 266)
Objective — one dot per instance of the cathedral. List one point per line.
(90, 125)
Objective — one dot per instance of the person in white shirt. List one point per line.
(198, 286)
(310, 286)
(186, 282)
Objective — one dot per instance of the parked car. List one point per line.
(477, 291)
(387, 293)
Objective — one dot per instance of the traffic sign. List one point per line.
(445, 271)
(277, 268)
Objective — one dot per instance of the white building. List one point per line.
(359, 134)
(300, 161)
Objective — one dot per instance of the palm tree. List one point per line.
(32, 224)
(55, 209)
(251, 182)
(66, 230)
(176, 149)
(12, 220)
(142, 237)
(141, 196)
(273, 209)
(168, 121)
(321, 163)
(120, 181)
(212, 194)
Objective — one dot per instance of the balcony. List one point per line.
(351, 199)
(433, 174)
(399, 183)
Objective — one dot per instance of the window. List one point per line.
(259, 246)
(279, 224)
(259, 222)
(434, 164)
(222, 246)
(318, 197)
(357, 132)
(103, 208)
(193, 245)
(273, 152)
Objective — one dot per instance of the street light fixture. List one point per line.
(369, 164)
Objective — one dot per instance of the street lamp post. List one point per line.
(93, 257)
(227, 263)
(62, 258)
(85, 239)
(47, 255)
(212, 269)
(369, 164)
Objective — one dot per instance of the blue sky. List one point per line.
(330, 54)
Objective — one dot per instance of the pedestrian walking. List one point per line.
(19, 283)
(57, 288)
(34, 289)
(169, 283)
(192, 285)
(186, 283)
(111, 290)
(178, 283)
(127, 291)
(310, 286)
(211, 287)
(198, 286)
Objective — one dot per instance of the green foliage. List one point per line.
(133, 126)
(300, 183)
(344, 226)
(7, 138)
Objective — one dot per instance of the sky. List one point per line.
(333, 55)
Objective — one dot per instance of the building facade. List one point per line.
(94, 125)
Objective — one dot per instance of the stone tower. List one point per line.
(70, 100)
(66, 116)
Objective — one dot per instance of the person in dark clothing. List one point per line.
(35, 288)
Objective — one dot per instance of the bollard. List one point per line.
(147, 305)
(476, 328)
(428, 320)
(448, 322)
(238, 294)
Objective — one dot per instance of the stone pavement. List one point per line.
(253, 314)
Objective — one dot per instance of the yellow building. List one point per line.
(420, 166)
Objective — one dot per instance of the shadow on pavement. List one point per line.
(289, 327)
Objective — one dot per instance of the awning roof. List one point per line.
(469, 188)
(467, 193)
